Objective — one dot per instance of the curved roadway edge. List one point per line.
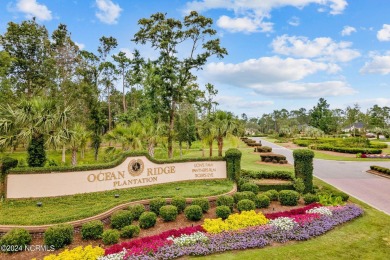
(103, 216)
(349, 176)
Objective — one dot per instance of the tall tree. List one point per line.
(321, 117)
(123, 64)
(168, 36)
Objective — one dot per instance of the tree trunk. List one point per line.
(151, 149)
(63, 159)
(211, 149)
(74, 157)
(170, 130)
(109, 109)
(82, 153)
(202, 152)
(220, 145)
(123, 93)
(181, 149)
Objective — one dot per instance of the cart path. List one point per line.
(350, 177)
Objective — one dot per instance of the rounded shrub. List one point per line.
(245, 205)
(168, 212)
(92, 230)
(59, 236)
(16, 238)
(110, 236)
(202, 202)
(179, 202)
(262, 201)
(223, 212)
(273, 195)
(136, 211)
(243, 195)
(288, 197)
(121, 218)
(147, 220)
(310, 198)
(250, 186)
(129, 231)
(193, 212)
(156, 203)
(344, 196)
(225, 200)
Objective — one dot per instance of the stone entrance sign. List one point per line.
(133, 172)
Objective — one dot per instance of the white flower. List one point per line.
(117, 256)
(320, 210)
(186, 240)
(283, 223)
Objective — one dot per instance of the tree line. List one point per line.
(55, 95)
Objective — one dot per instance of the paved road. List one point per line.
(350, 177)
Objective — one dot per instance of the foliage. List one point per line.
(147, 220)
(59, 236)
(243, 195)
(263, 149)
(262, 201)
(233, 163)
(320, 210)
(7, 163)
(299, 186)
(277, 187)
(310, 198)
(156, 203)
(250, 186)
(330, 200)
(275, 158)
(110, 236)
(92, 230)
(129, 231)
(246, 205)
(288, 197)
(283, 175)
(121, 218)
(348, 149)
(273, 195)
(223, 212)
(225, 200)
(202, 202)
(36, 152)
(168, 212)
(303, 165)
(136, 210)
(78, 253)
(179, 202)
(193, 212)
(380, 169)
(16, 238)
(187, 240)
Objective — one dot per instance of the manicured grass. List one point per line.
(367, 237)
(324, 156)
(249, 159)
(62, 209)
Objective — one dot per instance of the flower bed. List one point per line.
(376, 156)
(298, 224)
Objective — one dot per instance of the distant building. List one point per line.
(358, 126)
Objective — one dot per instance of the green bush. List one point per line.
(16, 240)
(273, 195)
(233, 163)
(262, 201)
(36, 154)
(110, 236)
(7, 163)
(352, 150)
(223, 212)
(202, 202)
(278, 187)
(344, 196)
(136, 211)
(275, 158)
(147, 220)
(288, 197)
(168, 212)
(92, 230)
(310, 198)
(243, 195)
(59, 236)
(245, 205)
(250, 186)
(121, 218)
(283, 175)
(129, 231)
(179, 202)
(193, 212)
(299, 185)
(156, 203)
(303, 166)
(225, 200)
(263, 149)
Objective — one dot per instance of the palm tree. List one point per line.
(224, 124)
(37, 122)
(128, 136)
(78, 138)
(207, 132)
(151, 133)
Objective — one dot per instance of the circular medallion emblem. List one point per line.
(136, 167)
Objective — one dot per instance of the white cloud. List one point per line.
(239, 102)
(383, 35)
(322, 48)
(127, 52)
(377, 65)
(250, 13)
(108, 11)
(80, 45)
(375, 101)
(348, 30)
(294, 21)
(33, 9)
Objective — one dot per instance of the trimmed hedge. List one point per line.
(129, 231)
(16, 240)
(250, 186)
(273, 195)
(310, 198)
(233, 163)
(202, 202)
(283, 175)
(193, 212)
(168, 212)
(225, 200)
(59, 236)
(275, 158)
(303, 166)
(179, 202)
(92, 230)
(262, 201)
(288, 197)
(136, 210)
(352, 150)
(121, 218)
(380, 169)
(156, 203)
(277, 187)
(238, 196)
(246, 205)
(110, 236)
(147, 220)
(223, 212)
(263, 149)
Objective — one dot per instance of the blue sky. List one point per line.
(282, 53)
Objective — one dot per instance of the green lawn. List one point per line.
(324, 156)
(367, 237)
(62, 209)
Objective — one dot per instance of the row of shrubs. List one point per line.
(283, 175)
(340, 142)
(274, 158)
(380, 169)
(263, 149)
(352, 150)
